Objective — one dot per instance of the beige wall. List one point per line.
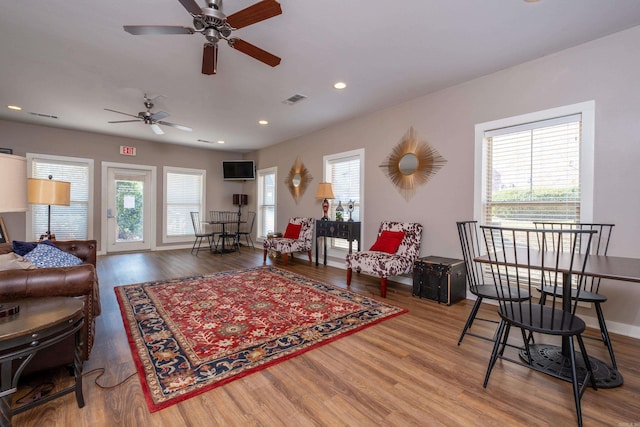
(25, 138)
(605, 70)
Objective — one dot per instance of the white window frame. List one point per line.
(342, 248)
(259, 201)
(587, 153)
(48, 157)
(203, 202)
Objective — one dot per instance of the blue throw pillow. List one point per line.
(23, 248)
(45, 255)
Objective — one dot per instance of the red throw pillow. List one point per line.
(292, 231)
(388, 241)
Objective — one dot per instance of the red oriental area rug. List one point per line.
(189, 335)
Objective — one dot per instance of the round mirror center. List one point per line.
(408, 164)
(297, 179)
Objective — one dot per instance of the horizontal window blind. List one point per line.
(67, 222)
(266, 202)
(184, 195)
(533, 172)
(344, 175)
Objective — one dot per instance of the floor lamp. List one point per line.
(240, 200)
(48, 192)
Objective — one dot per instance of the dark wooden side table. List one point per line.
(40, 323)
(349, 230)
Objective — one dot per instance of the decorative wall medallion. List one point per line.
(298, 179)
(411, 164)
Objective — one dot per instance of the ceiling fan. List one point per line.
(153, 119)
(215, 26)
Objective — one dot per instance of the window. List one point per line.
(537, 167)
(266, 201)
(184, 191)
(344, 172)
(73, 222)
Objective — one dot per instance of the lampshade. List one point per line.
(240, 199)
(13, 183)
(325, 191)
(49, 192)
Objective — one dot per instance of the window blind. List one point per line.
(266, 203)
(344, 175)
(67, 222)
(533, 172)
(184, 195)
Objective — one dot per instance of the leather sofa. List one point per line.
(80, 281)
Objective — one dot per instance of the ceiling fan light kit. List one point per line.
(216, 26)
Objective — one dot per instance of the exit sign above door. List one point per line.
(127, 151)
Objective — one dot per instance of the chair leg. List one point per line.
(383, 287)
(285, 258)
(349, 273)
(472, 316)
(309, 253)
(574, 378)
(264, 257)
(605, 334)
(587, 363)
(494, 353)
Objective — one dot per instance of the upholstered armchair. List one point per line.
(393, 254)
(297, 238)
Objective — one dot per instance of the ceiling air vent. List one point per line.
(48, 116)
(294, 99)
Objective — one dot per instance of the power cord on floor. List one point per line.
(102, 372)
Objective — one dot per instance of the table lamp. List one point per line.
(49, 192)
(325, 191)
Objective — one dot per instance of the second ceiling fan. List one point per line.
(215, 26)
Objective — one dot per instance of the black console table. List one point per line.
(348, 230)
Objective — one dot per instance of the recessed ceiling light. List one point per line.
(340, 85)
(220, 142)
(531, 1)
(263, 122)
(14, 107)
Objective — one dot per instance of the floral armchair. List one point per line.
(383, 264)
(287, 245)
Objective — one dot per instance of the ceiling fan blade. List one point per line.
(258, 12)
(143, 30)
(254, 52)
(156, 129)
(191, 6)
(124, 121)
(159, 115)
(120, 112)
(173, 125)
(210, 58)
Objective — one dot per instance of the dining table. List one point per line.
(553, 358)
(224, 234)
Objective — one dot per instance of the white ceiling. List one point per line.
(72, 59)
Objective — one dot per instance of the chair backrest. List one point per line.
(306, 230)
(247, 227)
(599, 242)
(470, 243)
(517, 264)
(195, 220)
(410, 245)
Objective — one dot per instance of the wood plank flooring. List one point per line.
(406, 371)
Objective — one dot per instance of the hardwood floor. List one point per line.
(406, 371)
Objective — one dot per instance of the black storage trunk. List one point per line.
(440, 279)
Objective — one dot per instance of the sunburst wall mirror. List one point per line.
(411, 164)
(298, 179)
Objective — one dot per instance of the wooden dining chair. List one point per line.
(520, 260)
(470, 243)
(591, 292)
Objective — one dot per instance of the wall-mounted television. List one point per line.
(238, 170)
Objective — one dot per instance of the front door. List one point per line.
(129, 209)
